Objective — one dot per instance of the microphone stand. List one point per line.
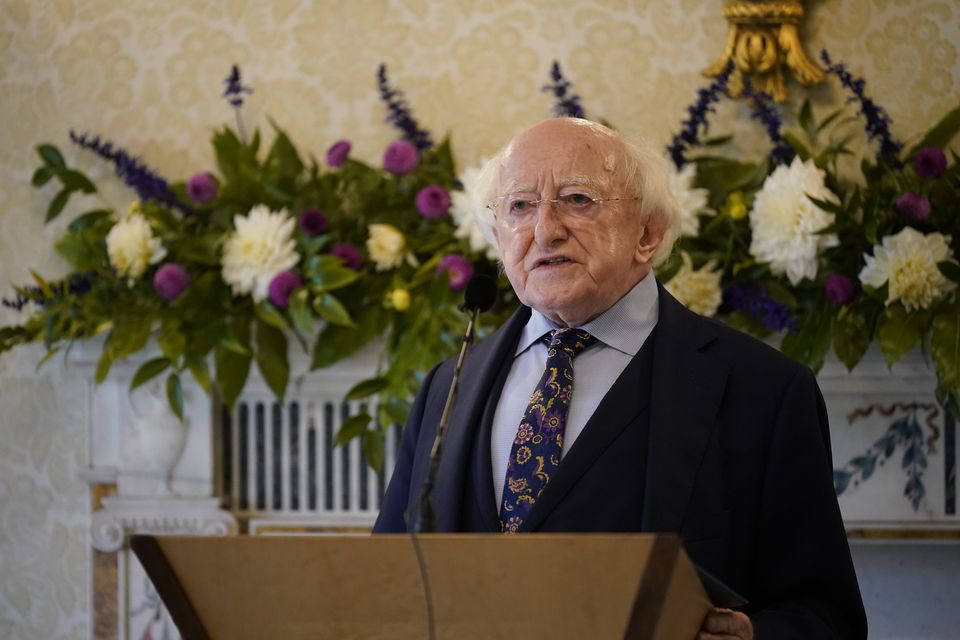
(426, 520)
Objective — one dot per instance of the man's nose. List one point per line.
(550, 225)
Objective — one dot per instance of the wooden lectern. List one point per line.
(482, 585)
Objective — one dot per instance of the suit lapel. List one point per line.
(480, 370)
(686, 391)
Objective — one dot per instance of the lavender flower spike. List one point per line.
(762, 110)
(146, 182)
(399, 114)
(565, 106)
(698, 117)
(878, 122)
(235, 88)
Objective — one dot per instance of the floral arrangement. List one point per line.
(219, 272)
(794, 245)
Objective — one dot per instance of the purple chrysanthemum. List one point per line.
(839, 288)
(433, 201)
(349, 254)
(282, 285)
(566, 106)
(930, 163)
(202, 188)
(313, 222)
(399, 114)
(878, 122)
(698, 117)
(751, 300)
(400, 157)
(338, 152)
(458, 269)
(170, 281)
(146, 182)
(913, 206)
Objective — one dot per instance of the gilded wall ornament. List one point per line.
(763, 37)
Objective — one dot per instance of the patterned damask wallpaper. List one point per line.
(148, 75)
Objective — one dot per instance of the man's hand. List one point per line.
(726, 624)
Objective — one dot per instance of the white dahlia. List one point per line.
(908, 261)
(131, 246)
(690, 201)
(261, 247)
(698, 290)
(785, 222)
(386, 246)
(467, 211)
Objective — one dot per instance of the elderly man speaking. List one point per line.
(604, 405)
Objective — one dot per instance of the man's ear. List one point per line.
(651, 239)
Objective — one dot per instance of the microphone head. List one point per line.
(480, 294)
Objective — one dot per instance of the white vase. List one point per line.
(158, 432)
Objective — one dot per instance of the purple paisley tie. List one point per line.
(535, 454)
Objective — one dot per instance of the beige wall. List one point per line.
(150, 78)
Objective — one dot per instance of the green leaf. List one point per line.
(148, 370)
(75, 181)
(898, 331)
(44, 286)
(373, 449)
(328, 307)
(337, 342)
(51, 156)
(950, 270)
(57, 204)
(801, 148)
(41, 176)
(283, 161)
(945, 346)
(200, 370)
(171, 340)
(271, 355)
(103, 364)
(351, 428)
(300, 311)
(269, 314)
(129, 336)
(89, 219)
(393, 409)
(366, 388)
(811, 342)
(852, 335)
(328, 273)
(940, 135)
(805, 117)
(826, 205)
(175, 394)
(232, 359)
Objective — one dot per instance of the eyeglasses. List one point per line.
(521, 209)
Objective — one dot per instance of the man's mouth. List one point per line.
(548, 262)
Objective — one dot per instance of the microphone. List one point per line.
(479, 296)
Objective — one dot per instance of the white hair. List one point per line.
(646, 177)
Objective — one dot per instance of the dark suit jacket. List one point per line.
(739, 465)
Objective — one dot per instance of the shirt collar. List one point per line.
(624, 326)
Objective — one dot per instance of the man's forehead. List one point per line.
(572, 155)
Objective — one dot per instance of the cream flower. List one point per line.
(131, 246)
(785, 222)
(698, 290)
(386, 246)
(908, 261)
(467, 211)
(261, 247)
(690, 201)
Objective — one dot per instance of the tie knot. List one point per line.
(571, 341)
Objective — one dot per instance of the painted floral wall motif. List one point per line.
(148, 75)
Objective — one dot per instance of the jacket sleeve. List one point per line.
(803, 564)
(393, 511)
